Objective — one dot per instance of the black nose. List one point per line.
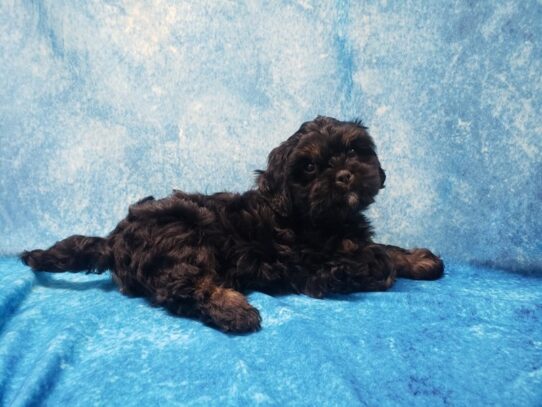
(344, 177)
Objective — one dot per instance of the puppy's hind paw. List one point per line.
(231, 312)
(240, 320)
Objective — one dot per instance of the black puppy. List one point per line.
(301, 230)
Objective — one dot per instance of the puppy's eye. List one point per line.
(310, 167)
(351, 152)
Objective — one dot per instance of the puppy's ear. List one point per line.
(272, 182)
(382, 177)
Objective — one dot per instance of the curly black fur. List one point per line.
(300, 230)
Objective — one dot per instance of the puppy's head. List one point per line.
(327, 170)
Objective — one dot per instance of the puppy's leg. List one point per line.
(371, 269)
(188, 290)
(418, 264)
(226, 308)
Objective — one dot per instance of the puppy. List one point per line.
(300, 230)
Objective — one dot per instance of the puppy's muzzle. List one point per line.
(344, 178)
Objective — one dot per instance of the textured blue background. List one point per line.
(103, 102)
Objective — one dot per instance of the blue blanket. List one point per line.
(472, 338)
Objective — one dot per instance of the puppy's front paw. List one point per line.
(425, 265)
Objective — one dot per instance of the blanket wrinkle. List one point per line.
(11, 299)
(44, 375)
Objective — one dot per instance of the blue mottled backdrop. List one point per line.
(104, 102)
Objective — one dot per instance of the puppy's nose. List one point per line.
(344, 177)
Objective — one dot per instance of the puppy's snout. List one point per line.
(344, 177)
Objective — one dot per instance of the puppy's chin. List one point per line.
(352, 200)
(356, 201)
(337, 209)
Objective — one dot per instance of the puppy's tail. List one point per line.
(75, 253)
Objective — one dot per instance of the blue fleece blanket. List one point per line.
(472, 338)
